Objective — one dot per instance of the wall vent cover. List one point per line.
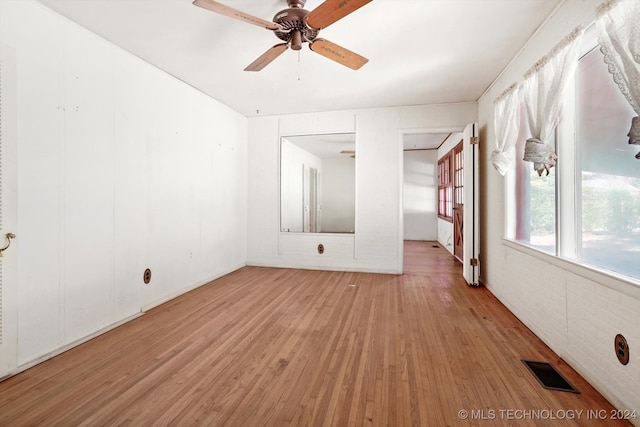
(548, 377)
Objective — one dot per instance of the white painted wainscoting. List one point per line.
(121, 167)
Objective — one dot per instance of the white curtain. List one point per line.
(619, 27)
(543, 90)
(506, 118)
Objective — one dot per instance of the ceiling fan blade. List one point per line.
(332, 10)
(266, 58)
(222, 9)
(338, 53)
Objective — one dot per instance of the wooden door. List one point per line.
(458, 201)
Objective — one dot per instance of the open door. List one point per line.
(471, 230)
(8, 213)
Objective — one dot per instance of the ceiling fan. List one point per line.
(296, 26)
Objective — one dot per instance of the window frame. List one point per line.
(445, 187)
(457, 170)
(568, 203)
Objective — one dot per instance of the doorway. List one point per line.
(457, 232)
(419, 194)
(419, 203)
(310, 199)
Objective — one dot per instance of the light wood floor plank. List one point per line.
(279, 347)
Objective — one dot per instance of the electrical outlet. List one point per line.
(621, 349)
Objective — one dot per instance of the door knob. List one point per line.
(9, 236)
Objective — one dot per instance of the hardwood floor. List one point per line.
(277, 347)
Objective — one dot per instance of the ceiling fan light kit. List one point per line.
(296, 26)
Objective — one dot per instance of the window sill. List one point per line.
(446, 218)
(618, 282)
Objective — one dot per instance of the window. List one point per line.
(535, 201)
(607, 173)
(458, 175)
(588, 208)
(445, 188)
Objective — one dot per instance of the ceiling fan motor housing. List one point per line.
(292, 20)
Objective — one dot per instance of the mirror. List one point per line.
(318, 183)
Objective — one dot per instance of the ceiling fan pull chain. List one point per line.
(298, 65)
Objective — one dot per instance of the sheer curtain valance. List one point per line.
(506, 119)
(543, 92)
(619, 38)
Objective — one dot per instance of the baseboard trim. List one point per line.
(143, 310)
(183, 291)
(325, 268)
(69, 346)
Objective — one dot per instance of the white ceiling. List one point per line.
(326, 146)
(337, 145)
(420, 51)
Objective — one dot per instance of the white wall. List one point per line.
(293, 161)
(420, 195)
(377, 243)
(338, 195)
(576, 311)
(120, 167)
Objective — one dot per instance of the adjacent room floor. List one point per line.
(267, 346)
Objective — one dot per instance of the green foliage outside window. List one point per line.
(543, 202)
(614, 211)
